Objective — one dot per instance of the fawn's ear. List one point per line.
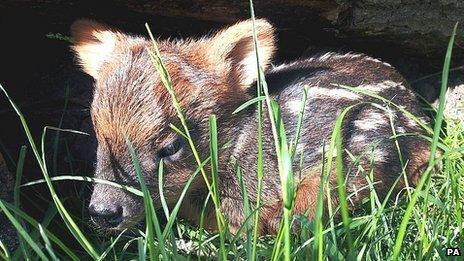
(234, 45)
(93, 44)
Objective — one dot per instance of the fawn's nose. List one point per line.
(106, 215)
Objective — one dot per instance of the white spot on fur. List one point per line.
(325, 149)
(294, 106)
(348, 55)
(400, 130)
(390, 112)
(358, 139)
(380, 156)
(337, 94)
(411, 123)
(279, 67)
(379, 87)
(377, 61)
(325, 57)
(242, 138)
(423, 120)
(332, 55)
(372, 121)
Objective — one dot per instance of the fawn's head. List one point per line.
(211, 75)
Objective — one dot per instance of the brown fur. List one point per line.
(214, 75)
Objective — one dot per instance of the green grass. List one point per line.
(391, 228)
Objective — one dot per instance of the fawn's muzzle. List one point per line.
(112, 208)
(106, 215)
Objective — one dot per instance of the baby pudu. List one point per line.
(215, 74)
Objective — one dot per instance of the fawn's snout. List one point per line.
(106, 214)
(112, 208)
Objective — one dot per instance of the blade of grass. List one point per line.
(213, 146)
(246, 213)
(48, 245)
(77, 233)
(5, 255)
(141, 249)
(335, 148)
(35, 224)
(16, 194)
(24, 234)
(19, 174)
(299, 125)
(66, 216)
(87, 179)
(250, 102)
(201, 228)
(436, 134)
(164, 205)
(341, 188)
(166, 79)
(281, 146)
(318, 226)
(151, 221)
(260, 156)
(176, 208)
(57, 137)
(107, 251)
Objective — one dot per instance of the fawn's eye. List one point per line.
(170, 151)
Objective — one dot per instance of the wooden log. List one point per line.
(423, 26)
